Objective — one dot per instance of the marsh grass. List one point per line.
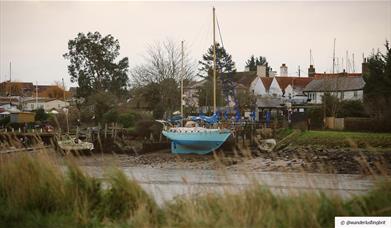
(343, 138)
(36, 192)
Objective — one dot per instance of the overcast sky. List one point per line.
(34, 35)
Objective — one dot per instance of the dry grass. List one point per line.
(36, 192)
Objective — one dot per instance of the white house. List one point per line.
(346, 88)
(46, 104)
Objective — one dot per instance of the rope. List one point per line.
(218, 27)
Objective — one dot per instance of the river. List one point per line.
(165, 184)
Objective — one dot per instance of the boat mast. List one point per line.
(334, 57)
(214, 62)
(182, 75)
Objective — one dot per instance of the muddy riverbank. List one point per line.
(313, 159)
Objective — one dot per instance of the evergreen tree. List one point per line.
(225, 66)
(224, 62)
(377, 89)
(252, 63)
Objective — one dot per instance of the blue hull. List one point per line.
(196, 143)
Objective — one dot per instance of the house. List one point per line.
(27, 89)
(45, 103)
(8, 88)
(190, 93)
(344, 87)
(22, 117)
(287, 87)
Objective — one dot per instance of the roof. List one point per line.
(267, 81)
(40, 99)
(245, 78)
(269, 102)
(334, 75)
(295, 82)
(335, 84)
(21, 84)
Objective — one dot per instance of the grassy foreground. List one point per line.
(343, 138)
(35, 192)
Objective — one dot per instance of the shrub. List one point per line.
(128, 119)
(41, 115)
(144, 128)
(351, 109)
(111, 116)
(316, 116)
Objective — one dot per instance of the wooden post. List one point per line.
(112, 130)
(105, 130)
(115, 130)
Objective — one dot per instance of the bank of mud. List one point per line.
(314, 159)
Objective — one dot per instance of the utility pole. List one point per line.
(36, 95)
(63, 89)
(10, 85)
(334, 57)
(182, 75)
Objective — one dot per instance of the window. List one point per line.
(355, 94)
(342, 95)
(32, 106)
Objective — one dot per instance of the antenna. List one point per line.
(299, 71)
(347, 61)
(334, 56)
(353, 68)
(312, 62)
(36, 95)
(337, 65)
(10, 71)
(342, 64)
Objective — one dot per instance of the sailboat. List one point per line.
(191, 138)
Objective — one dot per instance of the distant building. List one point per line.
(44, 103)
(344, 87)
(28, 89)
(8, 88)
(22, 117)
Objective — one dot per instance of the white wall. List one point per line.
(47, 106)
(316, 97)
(275, 89)
(257, 87)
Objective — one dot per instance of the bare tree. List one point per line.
(162, 62)
(161, 75)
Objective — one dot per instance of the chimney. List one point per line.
(246, 69)
(283, 70)
(261, 71)
(311, 71)
(364, 66)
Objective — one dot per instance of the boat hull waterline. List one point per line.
(196, 142)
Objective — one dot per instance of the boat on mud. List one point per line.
(191, 138)
(74, 145)
(197, 140)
